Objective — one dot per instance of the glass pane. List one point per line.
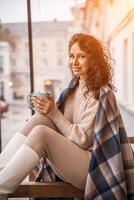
(14, 67)
(50, 27)
(50, 30)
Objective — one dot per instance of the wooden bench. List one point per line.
(54, 189)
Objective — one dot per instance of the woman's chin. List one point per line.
(77, 74)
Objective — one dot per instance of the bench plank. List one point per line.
(52, 189)
(131, 139)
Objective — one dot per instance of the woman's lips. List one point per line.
(76, 68)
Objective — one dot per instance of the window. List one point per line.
(48, 43)
(1, 48)
(26, 46)
(59, 61)
(59, 46)
(14, 80)
(44, 47)
(27, 62)
(44, 62)
(1, 64)
(13, 61)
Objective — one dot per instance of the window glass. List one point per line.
(50, 39)
(50, 57)
(14, 67)
(1, 64)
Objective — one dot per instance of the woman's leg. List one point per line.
(69, 161)
(24, 160)
(19, 137)
(37, 119)
(7, 160)
(11, 148)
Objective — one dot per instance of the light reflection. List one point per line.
(131, 4)
(10, 83)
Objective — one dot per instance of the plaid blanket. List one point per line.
(111, 169)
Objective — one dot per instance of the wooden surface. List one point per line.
(131, 139)
(55, 189)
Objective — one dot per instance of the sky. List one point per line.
(48, 10)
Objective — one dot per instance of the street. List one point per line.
(13, 120)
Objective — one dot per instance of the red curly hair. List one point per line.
(100, 70)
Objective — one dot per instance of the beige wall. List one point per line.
(112, 21)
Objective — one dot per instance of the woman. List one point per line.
(62, 132)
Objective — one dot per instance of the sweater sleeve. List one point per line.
(80, 133)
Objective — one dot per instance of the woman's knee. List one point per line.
(43, 120)
(40, 119)
(40, 132)
(35, 120)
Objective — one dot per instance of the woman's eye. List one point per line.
(82, 56)
(71, 56)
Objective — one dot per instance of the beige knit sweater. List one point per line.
(78, 117)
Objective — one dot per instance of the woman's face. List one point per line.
(79, 61)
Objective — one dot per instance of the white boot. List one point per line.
(17, 169)
(11, 148)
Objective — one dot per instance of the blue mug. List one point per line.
(35, 94)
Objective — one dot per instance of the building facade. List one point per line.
(5, 73)
(50, 58)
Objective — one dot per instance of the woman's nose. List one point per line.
(75, 62)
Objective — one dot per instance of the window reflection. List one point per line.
(50, 39)
(14, 70)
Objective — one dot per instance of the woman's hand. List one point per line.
(43, 105)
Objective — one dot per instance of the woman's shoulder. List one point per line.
(108, 94)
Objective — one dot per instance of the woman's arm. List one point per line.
(80, 133)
